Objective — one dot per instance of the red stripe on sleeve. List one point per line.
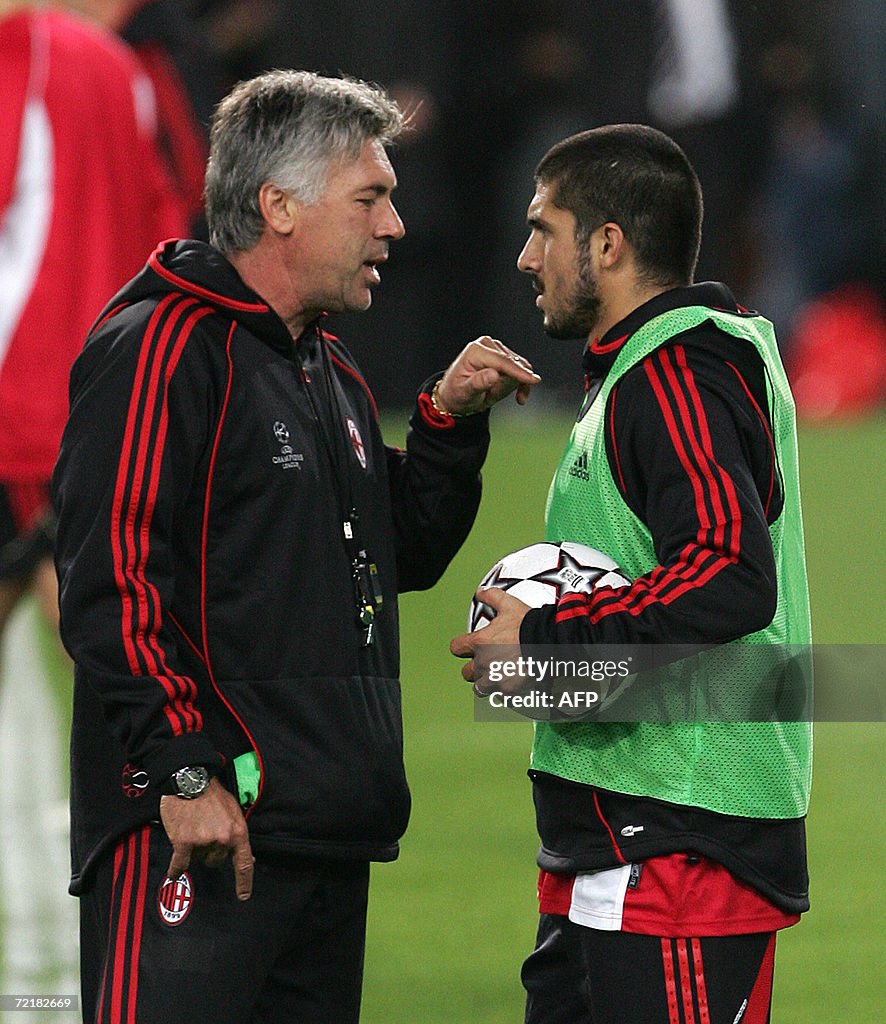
(120, 487)
(765, 423)
(144, 594)
(186, 688)
(715, 497)
(621, 479)
(130, 525)
(685, 575)
(728, 486)
(674, 434)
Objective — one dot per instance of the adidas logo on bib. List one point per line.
(580, 467)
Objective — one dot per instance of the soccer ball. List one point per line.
(543, 573)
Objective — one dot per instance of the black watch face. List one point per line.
(191, 781)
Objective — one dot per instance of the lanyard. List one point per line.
(364, 572)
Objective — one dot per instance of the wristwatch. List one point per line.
(188, 782)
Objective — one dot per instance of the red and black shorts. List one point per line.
(27, 527)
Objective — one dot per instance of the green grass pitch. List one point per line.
(451, 921)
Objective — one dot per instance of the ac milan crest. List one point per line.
(175, 899)
(356, 441)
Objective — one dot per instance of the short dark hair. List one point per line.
(639, 178)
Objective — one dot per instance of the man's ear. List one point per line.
(279, 208)
(610, 244)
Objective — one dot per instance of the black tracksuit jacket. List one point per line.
(206, 586)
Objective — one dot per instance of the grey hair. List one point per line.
(285, 127)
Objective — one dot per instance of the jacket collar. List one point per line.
(196, 268)
(601, 353)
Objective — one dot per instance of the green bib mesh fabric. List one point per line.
(745, 768)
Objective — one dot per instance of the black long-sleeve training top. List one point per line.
(689, 445)
(207, 594)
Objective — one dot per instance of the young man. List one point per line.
(232, 537)
(671, 852)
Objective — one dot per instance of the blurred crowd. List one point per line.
(779, 107)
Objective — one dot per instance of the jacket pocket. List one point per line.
(331, 753)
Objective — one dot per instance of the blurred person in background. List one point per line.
(808, 189)
(84, 197)
(861, 58)
(535, 72)
(411, 50)
(823, 180)
(187, 79)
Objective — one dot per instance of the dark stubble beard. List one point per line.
(583, 309)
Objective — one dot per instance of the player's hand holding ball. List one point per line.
(528, 578)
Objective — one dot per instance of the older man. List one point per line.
(233, 534)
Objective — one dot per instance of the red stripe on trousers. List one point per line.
(761, 996)
(118, 861)
(122, 933)
(138, 923)
(701, 989)
(667, 959)
(685, 981)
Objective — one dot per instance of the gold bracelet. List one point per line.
(439, 408)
